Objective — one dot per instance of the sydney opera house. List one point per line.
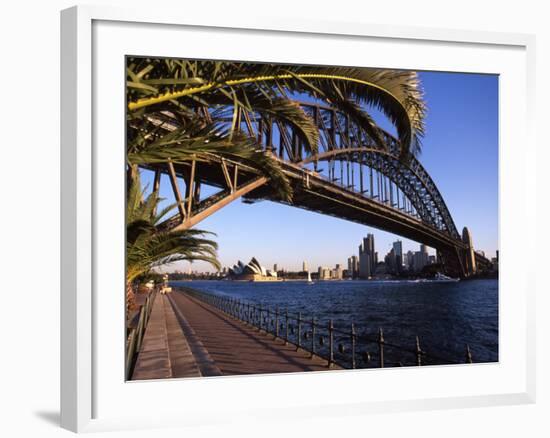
(252, 271)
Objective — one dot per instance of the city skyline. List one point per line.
(460, 152)
(305, 266)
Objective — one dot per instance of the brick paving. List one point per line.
(165, 352)
(236, 348)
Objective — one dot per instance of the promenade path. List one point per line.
(188, 338)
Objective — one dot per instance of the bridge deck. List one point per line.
(234, 347)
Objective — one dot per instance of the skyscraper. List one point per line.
(367, 257)
(304, 266)
(390, 262)
(420, 258)
(398, 254)
(409, 260)
(353, 266)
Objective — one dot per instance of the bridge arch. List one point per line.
(421, 216)
(409, 176)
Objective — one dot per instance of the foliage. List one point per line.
(148, 246)
(182, 86)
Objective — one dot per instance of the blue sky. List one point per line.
(460, 152)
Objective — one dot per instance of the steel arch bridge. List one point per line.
(350, 176)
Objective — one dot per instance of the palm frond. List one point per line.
(148, 246)
(210, 143)
(397, 94)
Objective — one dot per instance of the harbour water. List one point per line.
(445, 316)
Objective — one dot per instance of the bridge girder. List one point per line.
(341, 140)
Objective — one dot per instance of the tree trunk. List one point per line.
(130, 299)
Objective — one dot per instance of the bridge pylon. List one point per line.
(468, 254)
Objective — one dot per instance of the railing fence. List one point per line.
(136, 333)
(338, 346)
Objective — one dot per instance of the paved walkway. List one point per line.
(165, 352)
(233, 346)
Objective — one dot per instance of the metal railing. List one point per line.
(136, 332)
(345, 347)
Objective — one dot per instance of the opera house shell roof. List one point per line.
(251, 269)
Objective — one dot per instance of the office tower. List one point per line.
(367, 257)
(409, 259)
(421, 258)
(304, 267)
(398, 254)
(353, 266)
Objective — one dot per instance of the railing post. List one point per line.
(468, 355)
(418, 352)
(312, 336)
(140, 328)
(267, 321)
(131, 348)
(248, 312)
(381, 347)
(352, 346)
(286, 328)
(299, 343)
(277, 322)
(330, 343)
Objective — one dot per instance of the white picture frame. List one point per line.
(89, 399)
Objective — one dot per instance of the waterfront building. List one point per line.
(367, 257)
(418, 263)
(421, 258)
(252, 271)
(424, 249)
(390, 262)
(337, 273)
(353, 266)
(304, 267)
(324, 273)
(409, 259)
(398, 254)
(275, 268)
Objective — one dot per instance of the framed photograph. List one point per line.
(276, 207)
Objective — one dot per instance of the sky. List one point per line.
(460, 152)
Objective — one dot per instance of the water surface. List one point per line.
(445, 316)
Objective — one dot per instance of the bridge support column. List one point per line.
(469, 256)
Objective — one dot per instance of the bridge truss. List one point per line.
(350, 176)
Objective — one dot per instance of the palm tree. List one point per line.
(148, 246)
(181, 110)
(185, 87)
